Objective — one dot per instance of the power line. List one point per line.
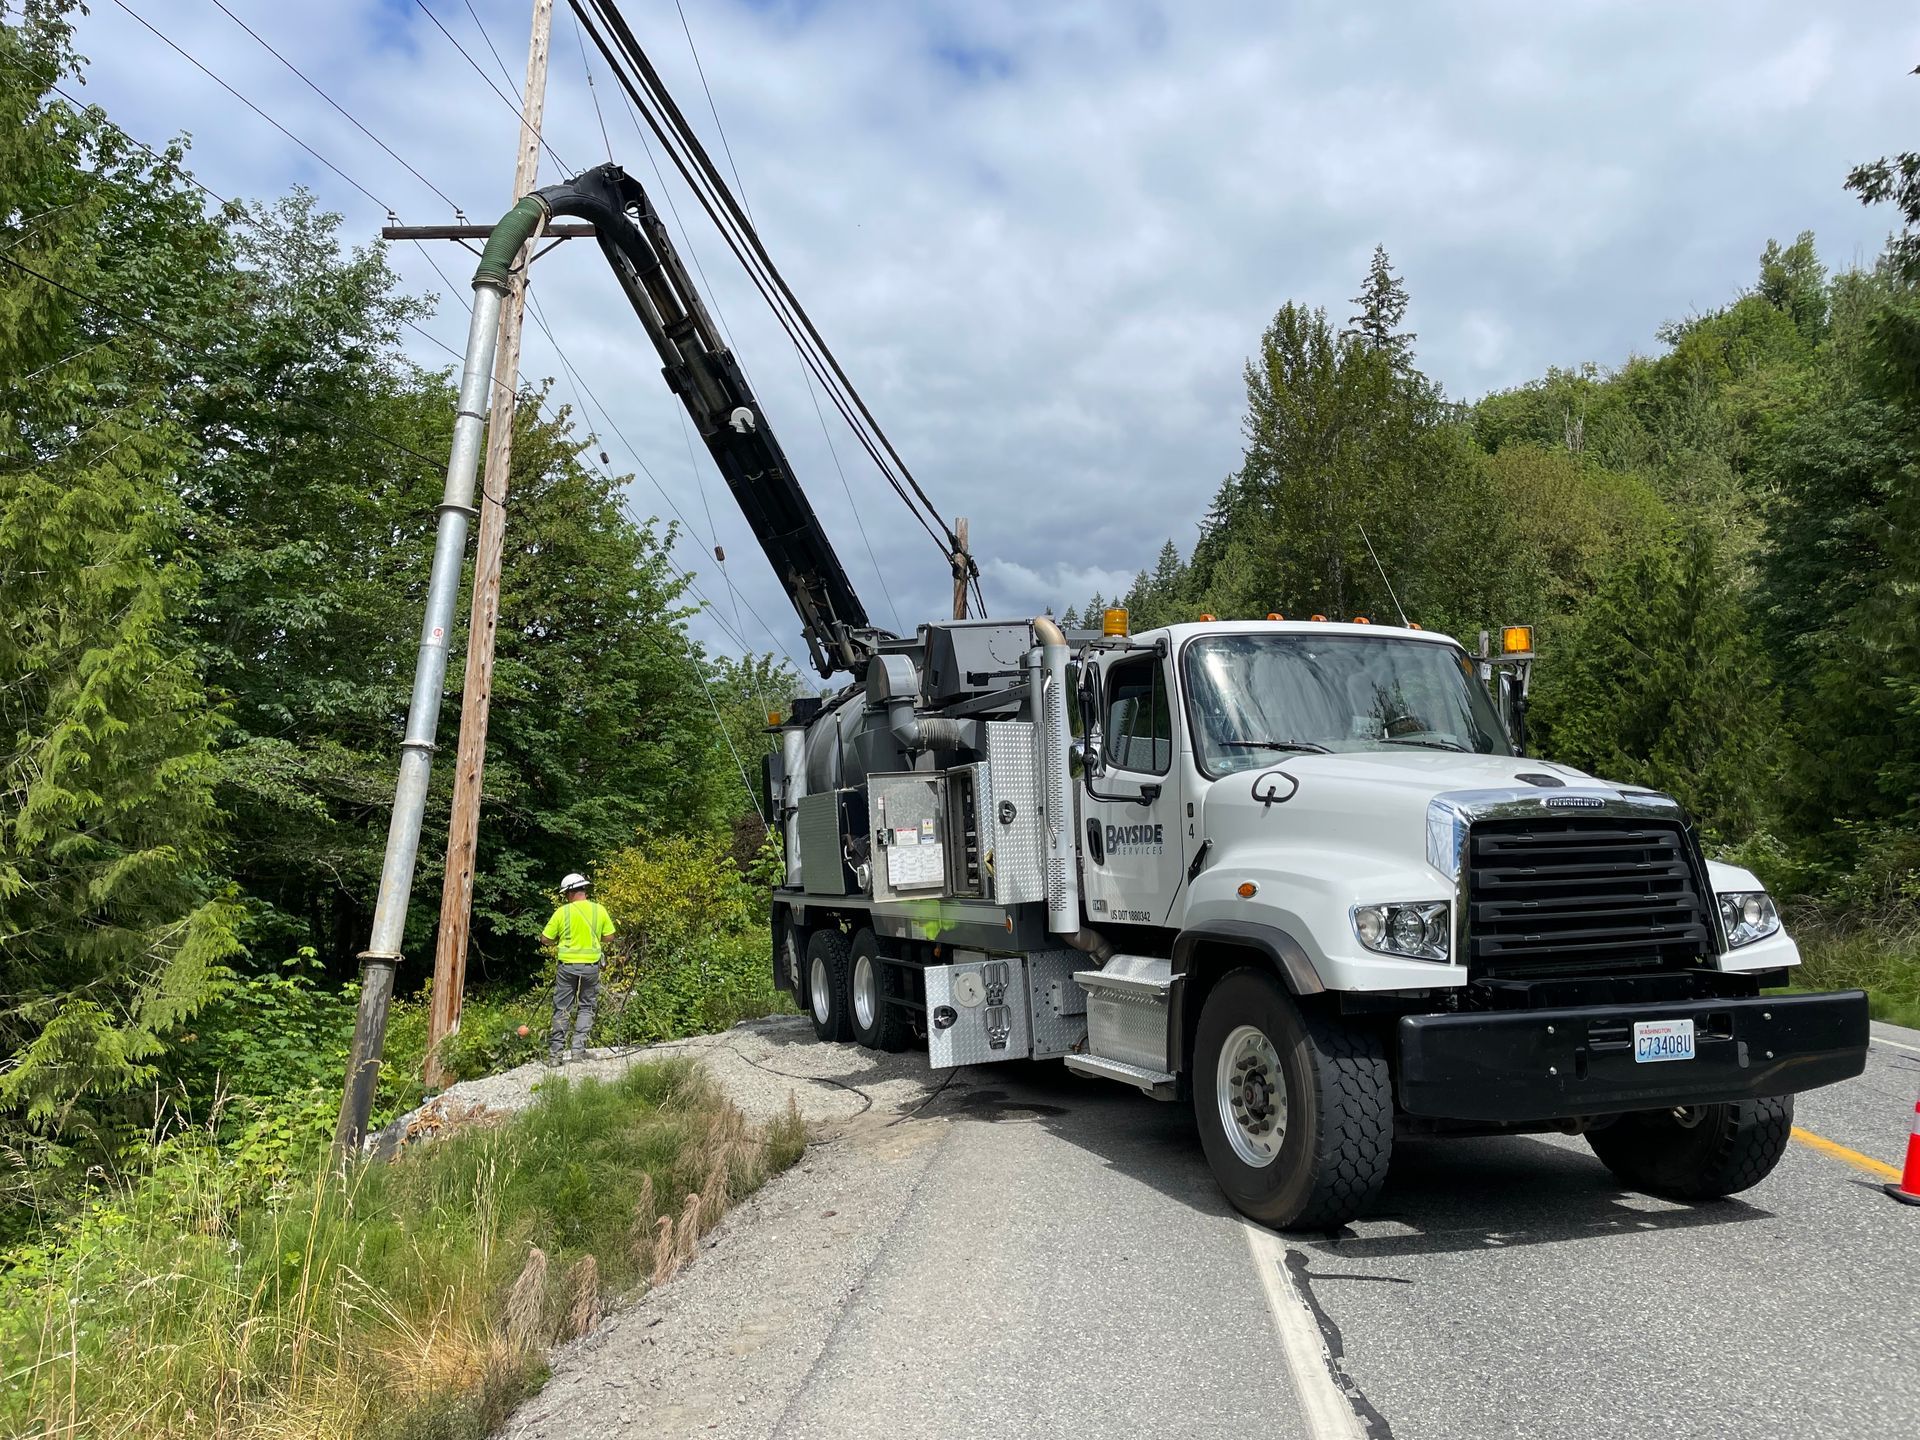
(812, 394)
(351, 118)
(487, 40)
(736, 230)
(663, 98)
(712, 109)
(505, 99)
(593, 92)
(191, 60)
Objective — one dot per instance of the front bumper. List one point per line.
(1521, 1065)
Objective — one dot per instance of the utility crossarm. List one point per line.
(702, 372)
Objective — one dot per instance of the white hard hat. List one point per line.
(574, 881)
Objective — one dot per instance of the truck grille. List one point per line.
(1583, 894)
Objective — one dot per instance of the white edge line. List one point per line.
(1323, 1405)
(1897, 1044)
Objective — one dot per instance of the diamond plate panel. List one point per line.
(987, 997)
(1058, 1005)
(1018, 844)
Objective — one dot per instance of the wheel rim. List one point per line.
(818, 991)
(1252, 1095)
(865, 1002)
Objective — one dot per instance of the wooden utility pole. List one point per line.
(463, 828)
(962, 560)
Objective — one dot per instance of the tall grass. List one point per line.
(412, 1299)
(1880, 955)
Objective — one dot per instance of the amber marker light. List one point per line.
(1114, 622)
(1316, 617)
(1413, 624)
(1516, 640)
(1275, 615)
(1361, 620)
(1204, 618)
(1247, 888)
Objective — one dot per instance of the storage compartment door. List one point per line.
(977, 1011)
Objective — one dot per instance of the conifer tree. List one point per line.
(1383, 305)
(111, 930)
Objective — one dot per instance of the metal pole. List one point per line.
(455, 511)
(463, 826)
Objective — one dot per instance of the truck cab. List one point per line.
(1378, 916)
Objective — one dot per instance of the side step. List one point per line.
(1157, 1083)
(1127, 1012)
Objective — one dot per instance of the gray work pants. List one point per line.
(575, 984)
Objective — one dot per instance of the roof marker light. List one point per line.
(1114, 622)
(1361, 620)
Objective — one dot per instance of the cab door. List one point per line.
(1129, 802)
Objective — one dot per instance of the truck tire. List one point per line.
(1295, 1110)
(876, 1024)
(1703, 1154)
(827, 984)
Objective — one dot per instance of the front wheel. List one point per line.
(1295, 1110)
(1698, 1152)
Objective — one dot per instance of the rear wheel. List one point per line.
(876, 1024)
(1295, 1111)
(1699, 1152)
(827, 984)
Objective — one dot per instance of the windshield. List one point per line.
(1254, 697)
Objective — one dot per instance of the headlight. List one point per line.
(1747, 916)
(1420, 930)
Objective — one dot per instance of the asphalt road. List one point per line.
(1025, 1253)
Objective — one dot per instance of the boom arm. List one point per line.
(703, 373)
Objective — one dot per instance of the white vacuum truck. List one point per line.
(1296, 873)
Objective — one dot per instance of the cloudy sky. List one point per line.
(1043, 237)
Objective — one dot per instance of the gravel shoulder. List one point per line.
(718, 1349)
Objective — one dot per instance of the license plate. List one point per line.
(1655, 1040)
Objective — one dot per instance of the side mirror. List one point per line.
(1513, 708)
(1089, 747)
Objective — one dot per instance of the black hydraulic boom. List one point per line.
(708, 380)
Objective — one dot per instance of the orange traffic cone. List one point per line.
(1907, 1188)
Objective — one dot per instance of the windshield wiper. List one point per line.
(1428, 744)
(1308, 746)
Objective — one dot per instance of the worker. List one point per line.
(575, 933)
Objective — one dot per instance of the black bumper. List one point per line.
(1520, 1065)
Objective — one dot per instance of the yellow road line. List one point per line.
(1841, 1152)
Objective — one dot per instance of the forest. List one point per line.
(1714, 542)
(218, 474)
(218, 471)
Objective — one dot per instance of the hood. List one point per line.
(1377, 801)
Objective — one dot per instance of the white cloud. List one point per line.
(1044, 238)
